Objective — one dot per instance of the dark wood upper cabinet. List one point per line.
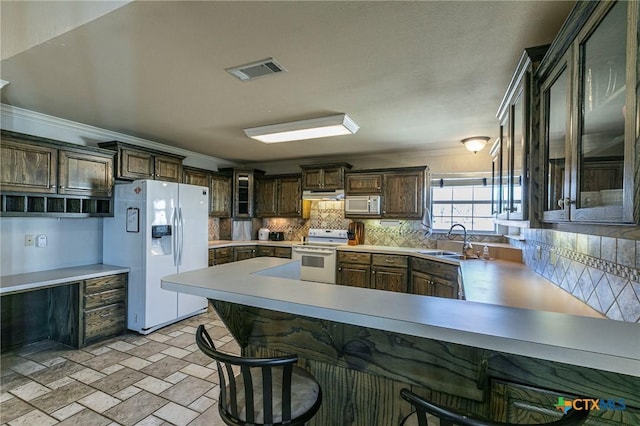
(28, 167)
(289, 196)
(220, 195)
(87, 174)
(134, 162)
(326, 177)
(589, 117)
(516, 133)
(193, 176)
(43, 177)
(278, 196)
(363, 183)
(266, 197)
(403, 194)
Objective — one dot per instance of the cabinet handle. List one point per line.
(569, 201)
(339, 269)
(61, 187)
(389, 260)
(106, 314)
(373, 272)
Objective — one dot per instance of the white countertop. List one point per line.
(237, 243)
(35, 280)
(589, 342)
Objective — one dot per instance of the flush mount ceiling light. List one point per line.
(475, 143)
(333, 125)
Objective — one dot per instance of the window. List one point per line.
(462, 200)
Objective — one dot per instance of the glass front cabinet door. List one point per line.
(516, 134)
(590, 120)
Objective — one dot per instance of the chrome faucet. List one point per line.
(466, 244)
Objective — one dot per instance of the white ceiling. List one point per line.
(416, 75)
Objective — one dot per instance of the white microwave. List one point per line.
(362, 205)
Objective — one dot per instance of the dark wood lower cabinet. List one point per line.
(361, 371)
(75, 313)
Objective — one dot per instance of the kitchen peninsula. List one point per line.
(366, 344)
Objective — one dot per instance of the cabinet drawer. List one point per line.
(284, 252)
(104, 298)
(104, 321)
(351, 257)
(390, 260)
(266, 251)
(223, 252)
(111, 282)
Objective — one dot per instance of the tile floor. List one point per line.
(158, 379)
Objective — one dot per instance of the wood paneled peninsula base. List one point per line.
(364, 345)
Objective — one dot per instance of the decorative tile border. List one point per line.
(592, 268)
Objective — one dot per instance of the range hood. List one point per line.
(337, 194)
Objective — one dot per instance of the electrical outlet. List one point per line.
(29, 241)
(41, 241)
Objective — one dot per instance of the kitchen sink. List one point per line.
(445, 254)
(438, 252)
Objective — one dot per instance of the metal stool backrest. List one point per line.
(228, 401)
(451, 418)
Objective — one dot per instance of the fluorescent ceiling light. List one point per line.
(333, 125)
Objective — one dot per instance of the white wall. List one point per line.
(70, 242)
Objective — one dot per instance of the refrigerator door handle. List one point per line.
(180, 235)
(174, 238)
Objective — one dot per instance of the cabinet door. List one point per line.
(85, 174)
(136, 164)
(289, 197)
(403, 195)
(28, 168)
(312, 179)
(354, 275)
(243, 183)
(600, 191)
(363, 183)
(421, 284)
(266, 191)
(195, 177)
(390, 279)
(220, 194)
(432, 285)
(555, 122)
(168, 168)
(333, 178)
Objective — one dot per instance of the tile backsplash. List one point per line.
(600, 271)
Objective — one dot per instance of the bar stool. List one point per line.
(266, 391)
(427, 414)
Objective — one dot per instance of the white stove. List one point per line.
(318, 254)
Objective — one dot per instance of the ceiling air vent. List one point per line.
(256, 69)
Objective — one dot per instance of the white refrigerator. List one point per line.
(158, 229)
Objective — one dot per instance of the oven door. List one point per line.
(316, 263)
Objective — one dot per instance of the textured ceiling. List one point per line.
(413, 75)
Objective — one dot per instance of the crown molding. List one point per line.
(85, 133)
